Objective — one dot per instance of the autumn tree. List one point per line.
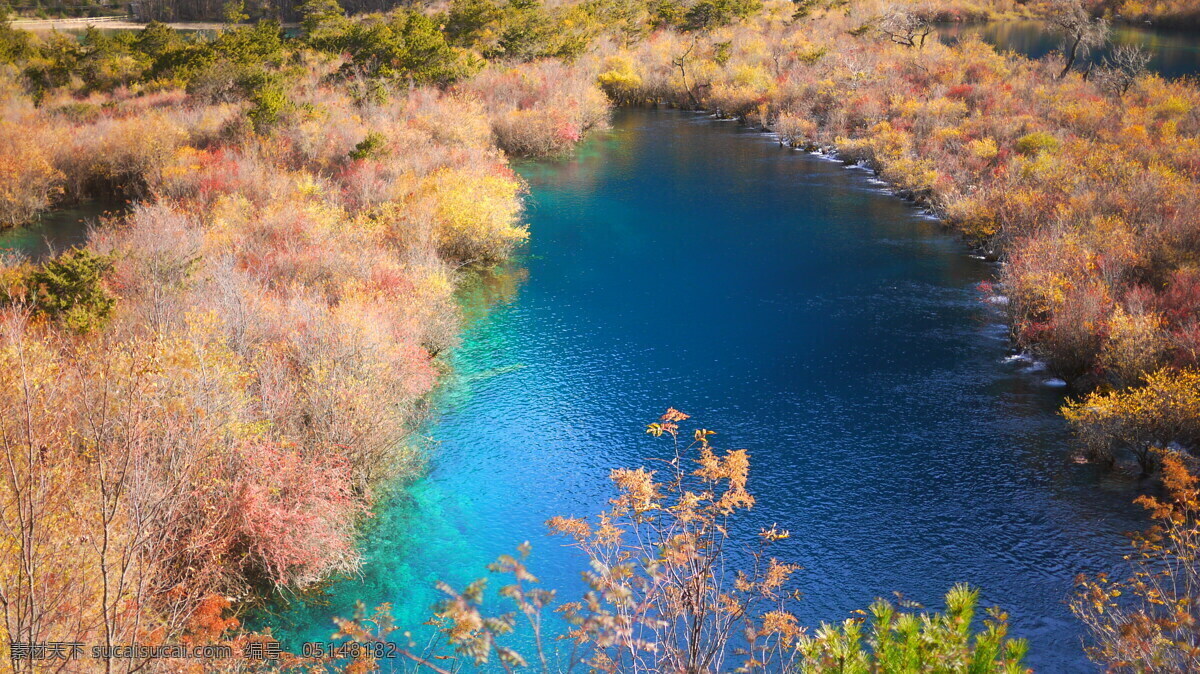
(1124, 66)
(1146, 621)
(29, 181)
(1081, 32)
(661, 595)
(1141, 420)
(904, 27)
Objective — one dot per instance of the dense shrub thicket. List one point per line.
(201, 403)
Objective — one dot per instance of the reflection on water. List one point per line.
(1173, 53)
(803, 314)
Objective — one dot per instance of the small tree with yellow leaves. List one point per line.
(1149, 621)
(663, 596)
(1165, 410)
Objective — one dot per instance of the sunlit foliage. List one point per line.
(1165, 410)
(900, 640)
(28, 180)
(1146, 622)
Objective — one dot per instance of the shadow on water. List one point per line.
(1172, 53)
(800, 311)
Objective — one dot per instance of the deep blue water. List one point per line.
(1173, 53)
(800, 311)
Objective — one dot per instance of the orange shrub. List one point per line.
(540, 108)
(28, 180)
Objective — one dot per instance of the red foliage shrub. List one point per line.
(1179, 301)
(281, 493)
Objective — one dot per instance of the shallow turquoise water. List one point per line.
(793, 306)
(53, 232)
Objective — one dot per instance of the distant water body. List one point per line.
(802, 312)
(1173, 53)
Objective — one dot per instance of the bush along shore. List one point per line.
(241, 352)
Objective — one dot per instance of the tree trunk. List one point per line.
(1071, 56)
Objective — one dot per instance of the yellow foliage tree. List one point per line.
(477, 214)
(1146, 623)
(1166, 409)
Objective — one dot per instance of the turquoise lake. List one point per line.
(55, 231)
(801, 311)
